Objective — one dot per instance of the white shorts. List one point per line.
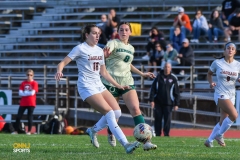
(86, 92)
(223, 96)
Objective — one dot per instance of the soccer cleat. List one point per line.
(220, 140)
(130, 147)
(28, 133)
(93, 137)
(112, 140)
(149, 146)
(208, 144)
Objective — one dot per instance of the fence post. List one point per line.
(75, 104)
(45, 84)
(67, 94)
(142, 82)
(9, 82)
(195, 111)
(57, 96)
(191, 79)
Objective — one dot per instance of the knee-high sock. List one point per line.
(116, 130)
(102, 123)
(118, 114)
(226, 124)
(138, 119)
(214, 132)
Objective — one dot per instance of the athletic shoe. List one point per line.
(130, 147)
(14, 133)
(220, 140)
(112, 140)
(28, 133)
(208, 143)
(93, 137)
(149, 146)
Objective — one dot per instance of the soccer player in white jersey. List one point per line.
(226, 69)
(119, 65)
(90, 62)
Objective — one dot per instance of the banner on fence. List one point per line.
(6, 99)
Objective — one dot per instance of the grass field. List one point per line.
(67, 147)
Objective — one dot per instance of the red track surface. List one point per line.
(185, 133)
(177, 132)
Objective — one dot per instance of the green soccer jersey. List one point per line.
(118, 63)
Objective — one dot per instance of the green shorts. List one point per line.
(118, 92)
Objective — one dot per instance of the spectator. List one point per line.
(156, 57)
(115, 34)
(154, 36)
(113, 22)
(177, 38)
(164, 96)
(27, 91)
(183, 21)
(186, 55)
(102, 25)
(215, 26)
(200, 26)
(102, 39)
(228, 8)
(170, 56)
(234, 26)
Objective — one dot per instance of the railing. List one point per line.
(46, 82)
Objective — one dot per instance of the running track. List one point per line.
(184, 133)
(176, 132)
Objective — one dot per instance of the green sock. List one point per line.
(138, 119)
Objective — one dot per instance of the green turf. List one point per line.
(68, 147)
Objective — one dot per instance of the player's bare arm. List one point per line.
(108, 77)
(60, 67)
(145, 75)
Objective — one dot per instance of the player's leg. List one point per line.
(131, 100)
(227, 107)
(117, 111)
(98, 102)
(209, 141)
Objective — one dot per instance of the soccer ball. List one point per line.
(142, 132)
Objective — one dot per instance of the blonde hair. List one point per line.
(30, 71)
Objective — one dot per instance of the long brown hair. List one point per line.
(127, 23)
(87, 29)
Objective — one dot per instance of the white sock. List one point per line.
(101, 124)
(226, 124)
(115, 129)
(214, 132)
(117, 113)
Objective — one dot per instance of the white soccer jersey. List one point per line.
(88, 59)
(227, 74)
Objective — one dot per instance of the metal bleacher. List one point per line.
(42, 32)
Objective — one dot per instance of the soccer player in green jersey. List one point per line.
(119, 65)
